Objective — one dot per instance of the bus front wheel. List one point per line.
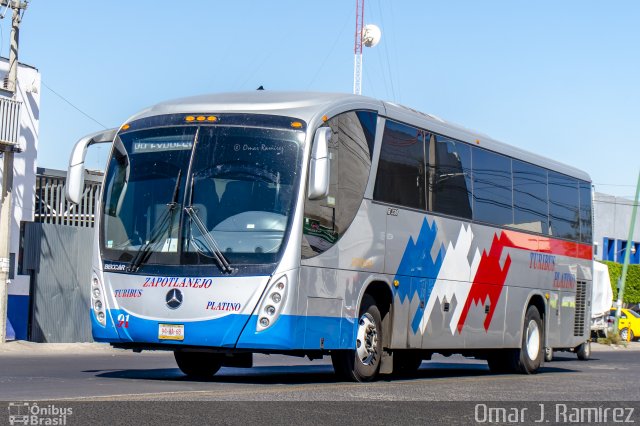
(200, 365)
(362, 363)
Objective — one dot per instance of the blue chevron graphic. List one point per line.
(417, 263)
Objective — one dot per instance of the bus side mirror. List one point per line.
(75, 172)
(319, 165)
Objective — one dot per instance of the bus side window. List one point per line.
(586, 230)
(530, 201)
(450, 190)
(563, 206)
(401, 177)
(492, 187)
(326, 220)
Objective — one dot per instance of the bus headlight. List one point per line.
(97, 303)
(272, 303)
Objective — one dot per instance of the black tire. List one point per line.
(527, 359)
(584, 351)
(200, 365)
(406, 363)
(351, 364)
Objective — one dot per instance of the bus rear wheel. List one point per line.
(201, 365)
(583, 351)
(528, 358)
(362, 363)
(531, 352)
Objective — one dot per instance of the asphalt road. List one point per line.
(93, 384)
(611, 375)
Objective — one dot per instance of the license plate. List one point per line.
(171, 331)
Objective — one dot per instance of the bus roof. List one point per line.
(308, 106)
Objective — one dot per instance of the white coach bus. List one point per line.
(317, 224)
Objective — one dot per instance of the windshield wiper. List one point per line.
(210, 242)
(158, 231)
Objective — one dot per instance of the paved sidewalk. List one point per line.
(31, 348)
(625, 346)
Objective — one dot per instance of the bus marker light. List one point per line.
(276, 297)
(396, 283)
(125, 127)
(270, 310)
(296, 125)
(189, 118)
(325, 118)
(212, 118)
(201, 118)
(264, 322)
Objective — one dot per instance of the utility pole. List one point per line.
(8, 150)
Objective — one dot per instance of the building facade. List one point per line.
(27, 102)
(612, 219)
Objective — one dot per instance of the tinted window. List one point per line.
(368, 120)
(401, 169)
(492, 200)
(326, 220)
(530, 203)
(450, 190)
(586, 229)
(563, 206)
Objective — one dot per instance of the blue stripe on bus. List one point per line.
(301, 332)
(289, 332)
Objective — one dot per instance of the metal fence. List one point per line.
(9, 121)
(52, 206)
(58, 258)
(56, 252)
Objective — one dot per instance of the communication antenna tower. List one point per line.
(367, 35)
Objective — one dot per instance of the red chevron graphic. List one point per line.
(489, 280)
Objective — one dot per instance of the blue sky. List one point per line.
(559, 78)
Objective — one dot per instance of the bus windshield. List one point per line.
(195, 194)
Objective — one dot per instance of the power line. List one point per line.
(344, 26)
(70, 103)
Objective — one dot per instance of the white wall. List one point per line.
(612, 219)
(24, 167)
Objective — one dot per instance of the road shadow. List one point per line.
(305, 374)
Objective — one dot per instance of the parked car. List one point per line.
(629, 323)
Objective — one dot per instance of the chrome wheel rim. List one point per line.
(623, 334)
(367, 340)
(533, 340)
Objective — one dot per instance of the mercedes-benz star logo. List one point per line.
(174, 298)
